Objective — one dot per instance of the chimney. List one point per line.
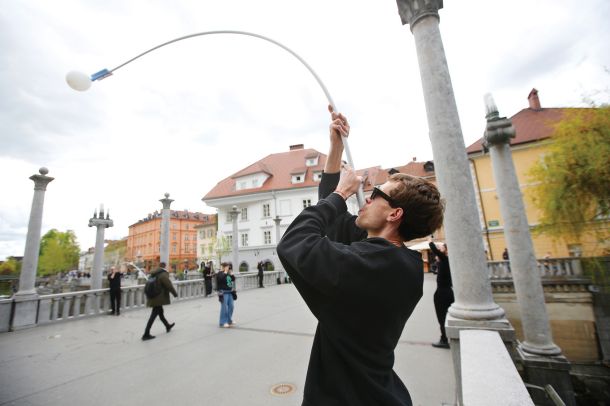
(534, 100)
(296, 146)
(414, 159)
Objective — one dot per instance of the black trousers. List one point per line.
(156, 311)
(115, 301)
(260, 280)
(208, 286)
(443, 297)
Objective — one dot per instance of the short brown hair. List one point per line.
(422, 206)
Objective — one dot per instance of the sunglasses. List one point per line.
(384, 196)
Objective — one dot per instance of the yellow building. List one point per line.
(534, 126)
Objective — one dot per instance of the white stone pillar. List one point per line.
(101, 224)
(25, 299)
(165, 215)
(524, 267)
(473, 296)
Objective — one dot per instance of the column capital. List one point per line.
(499, 130)
(411, 11)
(166, 201)
(97, 222)
(41, 181)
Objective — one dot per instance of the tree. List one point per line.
(573, 180)
(222, 245)
(59, 252)
(10, 267)
(114, 253)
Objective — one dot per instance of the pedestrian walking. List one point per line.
(165, 287)
(358, 278)
(114, 283)
(261, 275)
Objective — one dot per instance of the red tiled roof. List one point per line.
(279, 167)
(530, 125)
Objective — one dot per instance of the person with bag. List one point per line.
(225, 282)
(157, 292)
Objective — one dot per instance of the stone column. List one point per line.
(101, 223)
(278, 233)
(165, 215)
(474, 307)
(541, 357)
(473, 296)
(234, 213)
(25, 299)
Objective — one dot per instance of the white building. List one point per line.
(271, 190)
(276, 189)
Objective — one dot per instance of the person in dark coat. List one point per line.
(358, 279)
(114, 283)
(443, 296)
(207, 278)
(261, 275)
(159, 301)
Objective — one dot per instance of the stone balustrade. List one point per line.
(75, 305)
(547, 268)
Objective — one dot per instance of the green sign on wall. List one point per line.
(493, 223)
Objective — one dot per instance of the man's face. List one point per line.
(373, 215)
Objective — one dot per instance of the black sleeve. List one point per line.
(342, 228)
(314, 262)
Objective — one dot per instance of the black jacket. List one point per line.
(443, 274)
(362, 291)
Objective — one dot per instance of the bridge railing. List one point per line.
(547, 268)
(76, 305)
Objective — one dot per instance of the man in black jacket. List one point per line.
(358, 279)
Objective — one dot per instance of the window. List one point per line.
(174, 248)
(243, 185)
(174, 236)
(317, 176)
(202, 249)
(211, 248)
(210, 233)
(186, 237)
(300, 178)
(306, 203)
(244, 214)
(267, 237)
(244, 240)
(187, 226)
(575, 250)
(266, 210)
(202, 234)
(254, 182)
(230, 240)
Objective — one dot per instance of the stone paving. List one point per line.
(102, 361)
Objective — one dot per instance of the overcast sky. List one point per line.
(186, 116)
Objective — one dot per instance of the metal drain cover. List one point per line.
(283, 389)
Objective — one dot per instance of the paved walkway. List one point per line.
(102, 361)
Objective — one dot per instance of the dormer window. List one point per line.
(311, 161)
(317, 176)
(299, 178)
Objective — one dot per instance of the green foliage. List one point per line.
(114, 253)
(573, 179)
(59, 252)
(10, 267)
(223, 247)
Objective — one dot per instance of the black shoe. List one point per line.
(441, 344)
(170, 327)
(146, 337)
(118, 313)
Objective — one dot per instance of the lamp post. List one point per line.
(82, 82)
(25, 306)
(165, 214)
(234, 212)
(101, 223)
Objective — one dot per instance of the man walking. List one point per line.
(358, 279)
(165, 286)
(114, 283)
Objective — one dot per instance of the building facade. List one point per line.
(270, 193)
(206, 240)
(144, 239)
(533, 126)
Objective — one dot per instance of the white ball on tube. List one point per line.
(78, 81)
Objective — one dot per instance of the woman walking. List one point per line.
(225, 281)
